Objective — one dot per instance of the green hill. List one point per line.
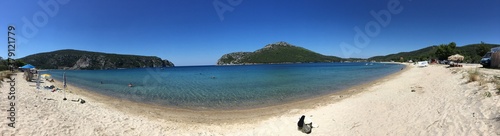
(421, 54)
(472, 53)
(280, 52)
(77, 59)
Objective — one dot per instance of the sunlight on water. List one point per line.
(227, 87)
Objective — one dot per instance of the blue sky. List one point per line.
(191, 32)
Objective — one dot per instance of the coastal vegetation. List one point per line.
(472, 53)
(5, 75)
(487, 81)
(474, 75)
(77, 59)
(5, 66)
(283, 52)
(445, 50)
(280, 52)
(498, 88)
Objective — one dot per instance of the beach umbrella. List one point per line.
(46, 76)
(28, 66)
(456, 57)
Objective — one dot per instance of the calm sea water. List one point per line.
(226, 87)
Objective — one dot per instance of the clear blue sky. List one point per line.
(191, 32)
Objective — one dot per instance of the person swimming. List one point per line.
(130, 85)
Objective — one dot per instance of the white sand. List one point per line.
(443, 104)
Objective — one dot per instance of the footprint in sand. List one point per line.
(417, 89)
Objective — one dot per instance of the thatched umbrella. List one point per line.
(456, 57)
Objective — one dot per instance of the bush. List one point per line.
(487, 94)
(4, 75)
(474, 75)
(498, 89)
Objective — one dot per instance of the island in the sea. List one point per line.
(87, 60)
(280, 52)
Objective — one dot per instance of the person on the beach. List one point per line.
(300, 124)
(305, 125)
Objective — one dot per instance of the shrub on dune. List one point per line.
(474, 76)
(498, 87)
(4, 75)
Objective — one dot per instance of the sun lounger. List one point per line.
(422, 64)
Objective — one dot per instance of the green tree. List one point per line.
(482, 49)
(19, 63)
(444, 51)
(422, 58)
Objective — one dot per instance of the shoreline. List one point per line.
(155, 111)
(432, 100)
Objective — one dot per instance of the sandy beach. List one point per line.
(432, 100)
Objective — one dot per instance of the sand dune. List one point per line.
(442, 102)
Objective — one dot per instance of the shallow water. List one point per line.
(226, 87)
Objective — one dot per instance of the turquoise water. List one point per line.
(226, 87)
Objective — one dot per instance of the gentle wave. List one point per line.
(226, 87)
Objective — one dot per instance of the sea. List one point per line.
(226, 87)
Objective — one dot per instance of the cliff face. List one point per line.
(75, 59)
(280, 52)
(232, 58)
(167, 63)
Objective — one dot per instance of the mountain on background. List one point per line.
(280, 52)
(77, 59)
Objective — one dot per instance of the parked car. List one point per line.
(444, 62)
(486, 60)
